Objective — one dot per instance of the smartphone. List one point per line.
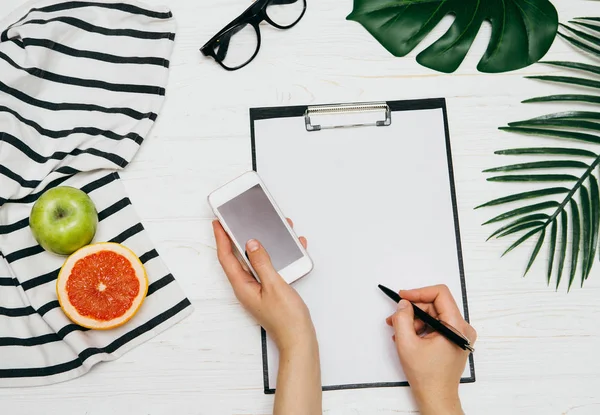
(247, 211)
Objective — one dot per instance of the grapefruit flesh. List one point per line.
(102, 286)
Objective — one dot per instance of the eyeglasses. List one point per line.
(238, 43)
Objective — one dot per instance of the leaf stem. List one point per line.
(569, 196)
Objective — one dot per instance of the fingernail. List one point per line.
(252, 245)
(402, 304)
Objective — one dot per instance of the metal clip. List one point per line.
(347, 109)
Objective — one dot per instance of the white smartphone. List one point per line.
(247, 211)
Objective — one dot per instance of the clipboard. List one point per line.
(371, 186)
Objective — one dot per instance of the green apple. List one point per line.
(63, 220)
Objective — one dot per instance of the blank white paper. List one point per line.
(375, 204)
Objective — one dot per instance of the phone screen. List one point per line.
(250, 215)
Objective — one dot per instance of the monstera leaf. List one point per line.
(522, 30)
(561, 204)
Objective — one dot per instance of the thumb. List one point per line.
(261, 262)
(403, 322)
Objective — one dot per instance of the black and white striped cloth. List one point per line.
(81, 83)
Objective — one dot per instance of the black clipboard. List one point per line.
(382, 120)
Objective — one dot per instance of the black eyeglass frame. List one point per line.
(253, 15)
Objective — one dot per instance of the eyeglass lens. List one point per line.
(237, 46)
(285, 13)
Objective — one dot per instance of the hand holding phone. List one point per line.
(274, 304)
(279, 309)
(247, 211)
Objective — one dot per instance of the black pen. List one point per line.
(444, 329)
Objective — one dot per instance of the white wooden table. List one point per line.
(538, 349)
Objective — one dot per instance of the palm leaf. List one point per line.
(568, 174)
(574, 115)
(524, 219)
(586, 25)
(563, 246)
(547, 150)
(575, 65)
(580, 44)
(592, 99)
(590, 83)
(519, 228)
(588, 138)
(540, 165)
(526, 195)
(521, 211)
(583, 35)
(558, 122)
(522, 239)
(536, 250)
(586, 222)
(575, 241)
(534, 178)
(552, 248)
(595, 209)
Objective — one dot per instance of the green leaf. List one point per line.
(536, 250)
(576, 115)
(583, 237)
(534, 178)
(561, 122)
(521, 240)
(522, 31)
(588, 138)
(554, 164)
(592, 19)
(575, 65)
(593, 99)
(524, 219)
(590, 83)
(589, 26)
(574, 242)
(523, 210)
(526, 195)
(583, 35)
(547, 150)
(586, 224)
(563, 246)
(579, 44)
(552, 248)
(521, 227)
(595, 208)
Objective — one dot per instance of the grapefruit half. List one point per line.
(102, 286)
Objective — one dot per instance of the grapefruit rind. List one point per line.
(85, 321)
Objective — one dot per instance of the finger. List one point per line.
(403, 322)
(304, 242)
(438, 295)
(261, 262)
(291, 222)
(418, 324)
(225, 249)
(471, 333)
(244, 285)
(428, 308)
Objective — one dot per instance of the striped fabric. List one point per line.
(81, 84)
